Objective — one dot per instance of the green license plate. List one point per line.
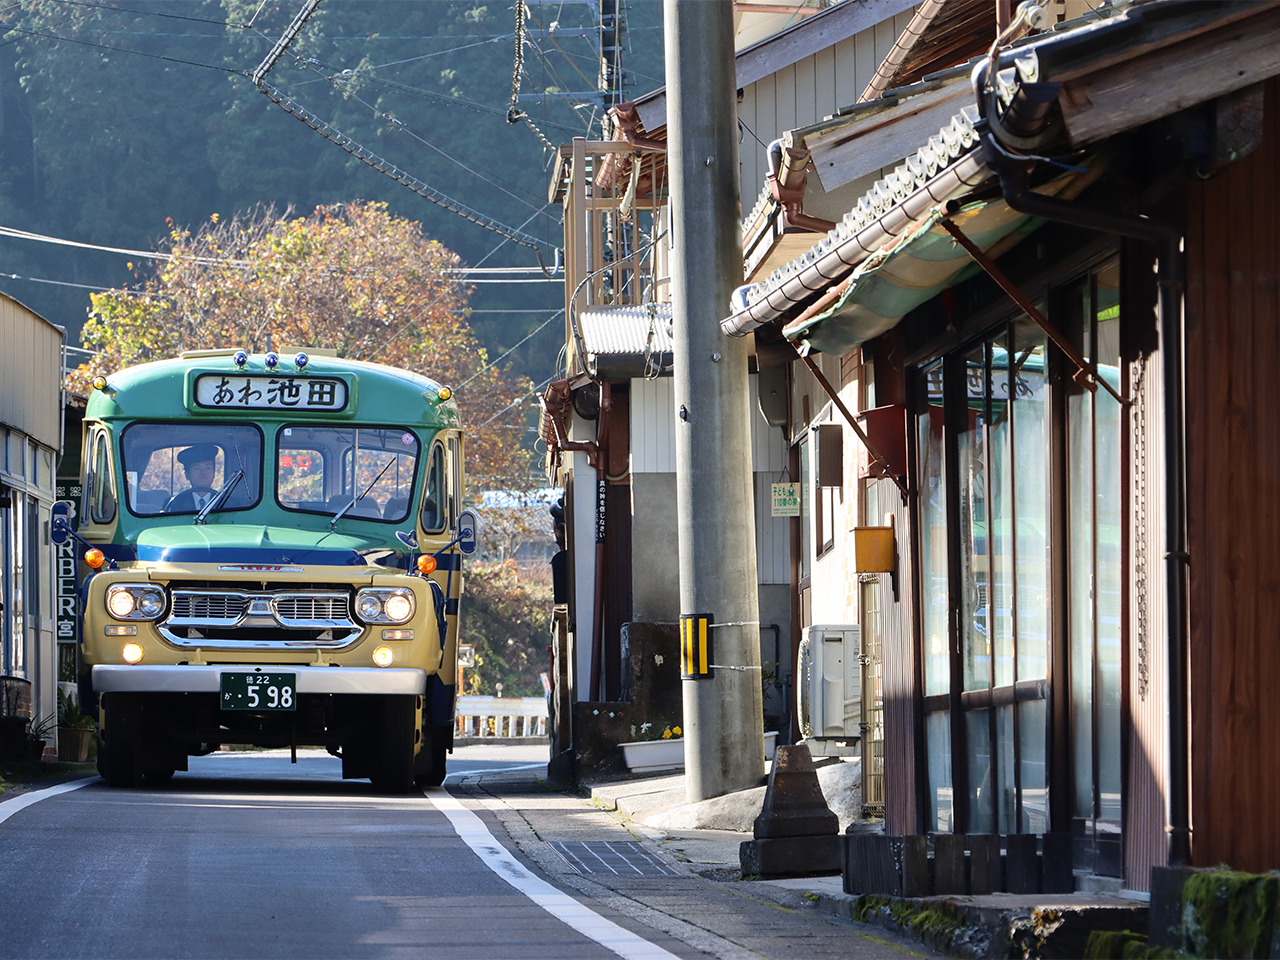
(259, 691)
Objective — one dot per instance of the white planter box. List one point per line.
(648, 756)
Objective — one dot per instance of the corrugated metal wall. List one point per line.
(1145, 633)
(899, 667)
(806, 92)
(30, 373)
(1233, 456)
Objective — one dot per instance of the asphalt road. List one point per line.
(248, 855)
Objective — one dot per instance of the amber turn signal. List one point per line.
(95, 558)
(426, 564)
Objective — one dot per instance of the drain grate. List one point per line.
(616, 859)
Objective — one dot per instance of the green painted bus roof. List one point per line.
(157, 391)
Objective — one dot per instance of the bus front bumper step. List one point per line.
(185, 678)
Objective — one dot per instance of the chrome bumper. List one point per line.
(118, 678)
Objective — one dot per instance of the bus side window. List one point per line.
(433, 500)
(455, 479)
(100, 490)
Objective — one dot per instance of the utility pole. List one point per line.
(723, 729)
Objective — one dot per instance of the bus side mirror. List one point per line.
(60, 522)
(468, 532)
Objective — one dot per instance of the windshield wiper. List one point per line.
(225, 491)
(354, 500)
(216, 500)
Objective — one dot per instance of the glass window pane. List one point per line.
(1006, 792)
(975, 646)
(982, 783)
(433, 502)
(178, 469)
(1031, 486)
(938, 731)
(1032, 719)
(1108, 506)
(314, 470)
(933, 548)
(806, 535)
(102, 502)
(1000, 509)
(1080, 590)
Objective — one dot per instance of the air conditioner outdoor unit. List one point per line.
(829, 693)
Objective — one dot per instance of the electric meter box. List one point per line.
(829, 694)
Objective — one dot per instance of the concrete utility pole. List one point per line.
(724, 740)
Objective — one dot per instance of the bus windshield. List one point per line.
(368, 472)
(181, 468)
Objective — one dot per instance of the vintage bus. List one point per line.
(275, 546)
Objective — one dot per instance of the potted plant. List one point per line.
(654, 749)
(37, 734)
(75, 730)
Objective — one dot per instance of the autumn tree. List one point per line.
(507, 619)
(349, 277)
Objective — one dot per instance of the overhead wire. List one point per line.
(399, 125)
(363, 153)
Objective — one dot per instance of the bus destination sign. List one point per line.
(248, 392)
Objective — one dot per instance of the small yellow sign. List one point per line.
(874, 550)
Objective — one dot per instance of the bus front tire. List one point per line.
(393, 766)
(429, 765)
(122, 740)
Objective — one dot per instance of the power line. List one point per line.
(103, 46)
(529, 336)
(363, 153)
(58, 283)
(144, 254)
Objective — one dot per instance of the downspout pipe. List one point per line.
(1014, 172)
(787, 179)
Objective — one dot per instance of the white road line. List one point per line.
(560, 905)
(487, 772)
(9, 807)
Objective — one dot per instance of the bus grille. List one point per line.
(312, 607)
(209, 617)
(209, 607)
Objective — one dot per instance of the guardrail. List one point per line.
(502, 716)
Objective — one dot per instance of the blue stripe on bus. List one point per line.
(122, 553)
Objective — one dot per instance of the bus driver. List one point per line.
(198, 465)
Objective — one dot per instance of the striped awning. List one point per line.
(899, 277)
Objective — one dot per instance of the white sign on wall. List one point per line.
(786, 499)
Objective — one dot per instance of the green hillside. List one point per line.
(116, 120)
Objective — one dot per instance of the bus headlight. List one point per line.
(135, 601)
(384, 605)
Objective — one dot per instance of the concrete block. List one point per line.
(793, 802)
(1165, 923)
(773, 859)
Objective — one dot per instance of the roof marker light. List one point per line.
(241, 358)
(99, 382)
(272, 359)
(301, 360)
(445, 393)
